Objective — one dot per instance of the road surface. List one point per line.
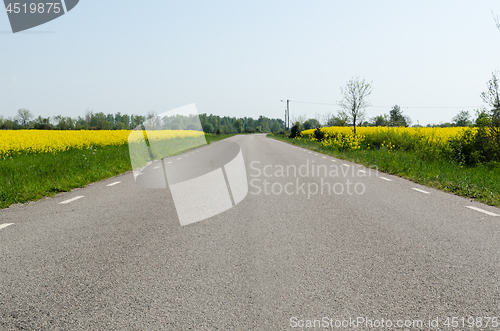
(113, 255)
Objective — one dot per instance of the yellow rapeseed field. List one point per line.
(343, 137)
(16, 142)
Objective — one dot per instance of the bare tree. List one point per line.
(23, 117)
(301, 119)
(325, 117)
(153, 121)
(354, 102)
(492, 98)
(497, 22)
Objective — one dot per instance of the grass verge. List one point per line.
(481, 183)
(34, 176)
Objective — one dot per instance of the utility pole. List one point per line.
(285, 117)
(287, 113)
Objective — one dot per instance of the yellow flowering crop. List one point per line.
(344, 138)
(16, 142)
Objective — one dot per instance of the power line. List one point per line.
(336, 104)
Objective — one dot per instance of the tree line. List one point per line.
(24, 119)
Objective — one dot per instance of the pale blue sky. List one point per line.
(240, 58)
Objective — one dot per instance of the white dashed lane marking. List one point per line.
(421, 191)
(482, 211)
(113, 184)
(387, 179)
(178, 158)
(169, 162)
(333, 160)
(71, 200)
(5, 225)
(157, 167)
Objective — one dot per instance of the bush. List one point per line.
(318, 134)
(295, 132)
(464, 148)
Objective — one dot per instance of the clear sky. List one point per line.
(240, 58)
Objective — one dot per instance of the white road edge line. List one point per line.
(419, 190)
(71, 200)
(115, 183)
(482, 211)
(5, 225)
(387, 179)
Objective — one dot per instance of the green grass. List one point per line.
(216, 137)
(481, 183)
(35, 176)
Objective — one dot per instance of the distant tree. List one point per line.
(380, 120)
(23, 117)
(396, 117)
(462, 119)
(98, 121)
(324, 118)
(174, 126)
(301, 119)
(193, 127)
(125, 120)
(340, 120)
(311, 124)
(354, 101)
(238, 124)
(64, 123)
(208, 127)
(276, 127)
(10, 124)
(136, 120)
(110, 118)
(87, 118)
(153, 121)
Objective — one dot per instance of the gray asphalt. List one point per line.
(118, 259)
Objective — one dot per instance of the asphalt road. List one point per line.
(113, 255)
